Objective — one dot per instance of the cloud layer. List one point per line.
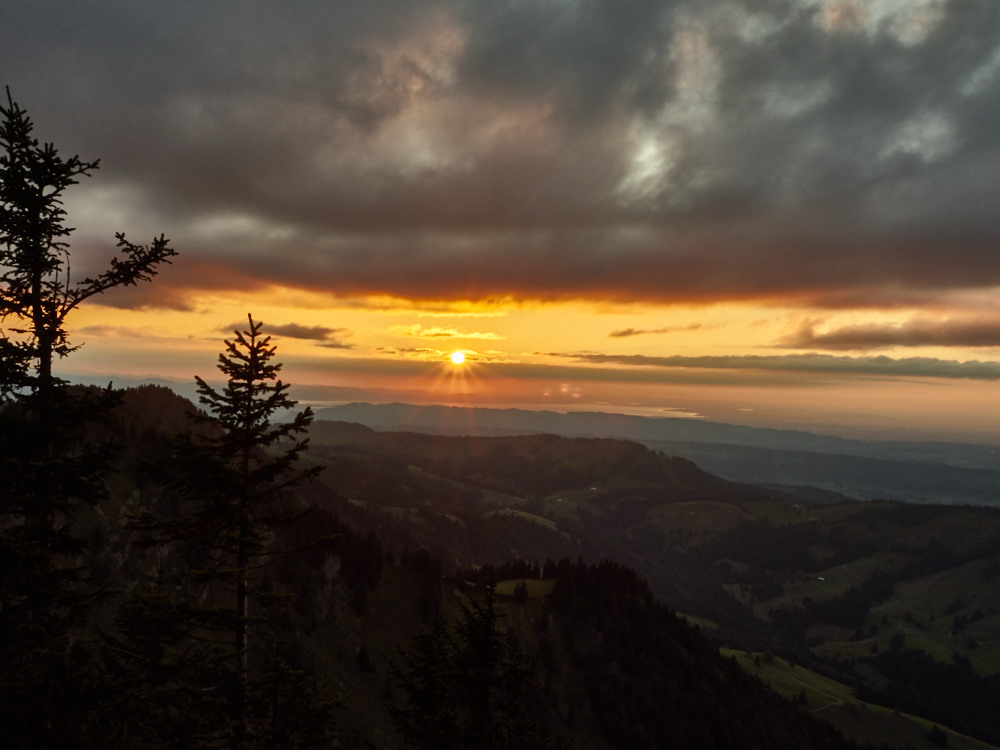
(964, 333)
(806, 363)
(624, 333)
(813, 150)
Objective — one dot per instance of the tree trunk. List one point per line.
(242, 597)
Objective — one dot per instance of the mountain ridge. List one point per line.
(490, 421)
(934, 472)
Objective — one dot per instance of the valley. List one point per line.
(895, 599)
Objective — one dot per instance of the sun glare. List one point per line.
(457, 358)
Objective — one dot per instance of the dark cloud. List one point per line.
(627, 332)
(807, 363)
(324, 336)
(583, 58)
(919, 332)
(334, 344)
(618, 149)
(310, 333)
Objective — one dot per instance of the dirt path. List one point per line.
(836, 701)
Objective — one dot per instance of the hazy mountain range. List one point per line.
(939, 472)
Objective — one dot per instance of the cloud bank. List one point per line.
(921, 332)
(623, 333)
(331, 338)
(451, 149)
(808, 363)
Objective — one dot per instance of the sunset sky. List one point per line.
(779, 212)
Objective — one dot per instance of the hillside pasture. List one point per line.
(538, 588)
(834, 702)
(827, 583)
(690, 524)
(526, 516)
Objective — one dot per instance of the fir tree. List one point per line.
(232, 477)
(50, 471)
(464, 686)
(37, 291)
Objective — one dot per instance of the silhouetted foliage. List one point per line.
(37, 290)
(654, 681)
(950, 693)
(232, 478)
(937, 736)
(464, 686)
(52, 469)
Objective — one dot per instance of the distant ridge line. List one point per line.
(484, 421)
(949, 473)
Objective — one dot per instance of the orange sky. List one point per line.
(724, 361)
(777, 213)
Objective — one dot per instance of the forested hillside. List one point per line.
(341, 618)
(396, 545)
(850, 589)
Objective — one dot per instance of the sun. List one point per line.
(457, 358)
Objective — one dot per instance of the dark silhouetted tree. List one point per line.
(232, 476)
(37, 292)
(937, 736)
(50, 472)
(464, 686)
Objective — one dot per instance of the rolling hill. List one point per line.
(945, 473)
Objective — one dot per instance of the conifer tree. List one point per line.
(232, 476)
(50, 472)
(464, 686)
(253, 478)
(37, 291)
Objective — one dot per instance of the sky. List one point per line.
(779, 212)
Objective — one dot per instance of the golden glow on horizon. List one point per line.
(524, 352)
(335, 330)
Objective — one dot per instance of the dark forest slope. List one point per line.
(405, 526)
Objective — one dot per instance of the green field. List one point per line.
(834, 702)
(537, 587)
